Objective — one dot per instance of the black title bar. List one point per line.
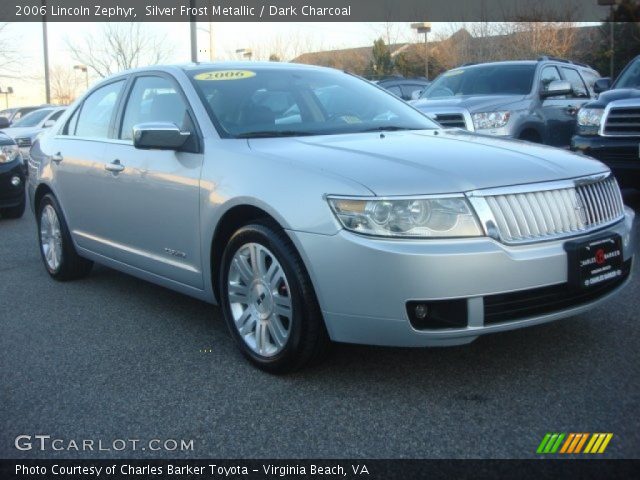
(307, 10)
(326, 469)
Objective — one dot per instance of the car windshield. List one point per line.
(482, 80)
(270, 102)
(630, 78)
(7, 113)
(33, 118)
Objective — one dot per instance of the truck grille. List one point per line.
(623, 121)
(451, 120)
(539, 215)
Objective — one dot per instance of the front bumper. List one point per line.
(621, 154)
(10, 195)
(363, 284)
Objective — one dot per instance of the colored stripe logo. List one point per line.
(574, 443)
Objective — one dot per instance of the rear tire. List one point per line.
(268, 301)
(14, 212)
(56, 247)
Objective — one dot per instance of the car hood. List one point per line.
(471, 102)
(612, 95)
(15, 132)
(429, 161)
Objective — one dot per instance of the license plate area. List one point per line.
(592, 262)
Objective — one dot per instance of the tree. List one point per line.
(381, 63)
(274, 57)
(119, 47)
(8, 55)
(64, 84)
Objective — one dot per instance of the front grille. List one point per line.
(451, 120)
(507, 307)
(623, 121)
(539, 215)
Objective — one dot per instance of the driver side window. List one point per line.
(154, 99)
(548, 75)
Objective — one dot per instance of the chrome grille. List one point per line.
(543, 214)
(450, 120)
(623, 121)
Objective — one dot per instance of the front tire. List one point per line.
(268, 301)
(56, 247)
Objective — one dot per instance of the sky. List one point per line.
(291, 38)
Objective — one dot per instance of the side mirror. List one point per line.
(159, 135)
(557, 88)
(48, 124)
(602, 84)
(4, 122)
(415, 95)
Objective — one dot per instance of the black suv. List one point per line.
(609, 127)
(12, 178)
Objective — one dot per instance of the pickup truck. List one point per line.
(608, 128)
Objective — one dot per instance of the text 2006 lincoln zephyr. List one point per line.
(312, 206)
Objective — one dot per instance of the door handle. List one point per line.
(114, 166)
(57, 157)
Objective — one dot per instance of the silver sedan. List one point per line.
(313, 206)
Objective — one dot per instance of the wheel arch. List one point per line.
(231, 220)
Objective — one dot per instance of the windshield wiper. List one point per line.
(273, 133)
(386, 128)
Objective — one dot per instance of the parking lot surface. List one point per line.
(112, 357)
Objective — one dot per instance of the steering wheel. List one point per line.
(447, 92)
(342, 117)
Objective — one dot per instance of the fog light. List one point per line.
(421, 311)
(15, 181)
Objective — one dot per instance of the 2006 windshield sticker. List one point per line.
(225, 75)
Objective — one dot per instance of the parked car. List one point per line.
(370, 225)
(405, 88)
(25, 130)
(528, 100)
(12, 179)
(14, 114)
(609, 127)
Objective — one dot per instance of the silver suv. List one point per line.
(528, 100)
(364, 222)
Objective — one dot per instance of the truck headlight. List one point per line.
(8, 153)
(487, 120)
(590, 117)
(407, 217)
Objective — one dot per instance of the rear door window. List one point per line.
(94, 117)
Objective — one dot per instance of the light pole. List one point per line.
(6, 95)
(610, 4)
(45, 50)
(424, 27)
(212, 45)
(83, 68)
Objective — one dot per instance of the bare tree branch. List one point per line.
(118, 47)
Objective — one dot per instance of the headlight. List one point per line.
(490, 120)
(8, 153)
(420, 218)
(590, 117)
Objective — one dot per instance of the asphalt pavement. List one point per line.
(113, 358)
